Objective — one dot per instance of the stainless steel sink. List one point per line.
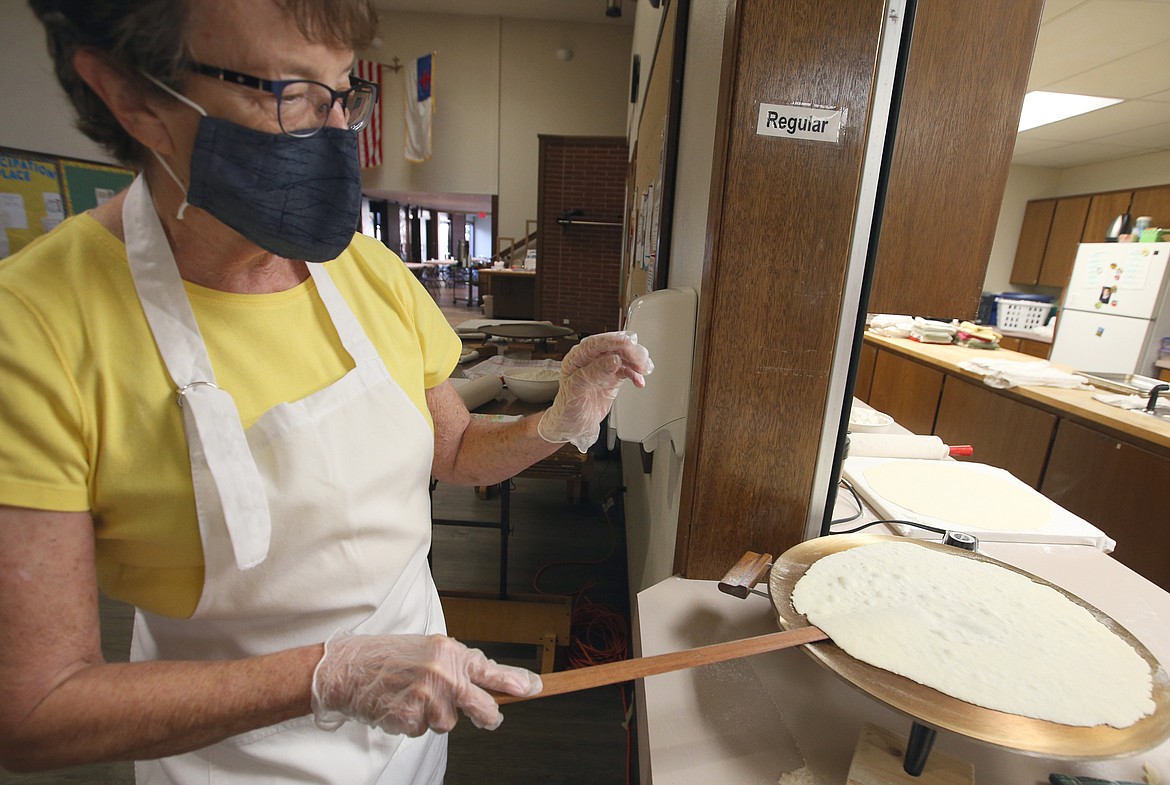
(1125, 383)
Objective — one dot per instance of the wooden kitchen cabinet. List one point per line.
(1033, 240)
(1068, 223)
(1154, 202)
(1049, 236)
(1103, 209)
(1003, 432)
(906, 390)
(865, 372)
(1116, 487)
(1035, 348)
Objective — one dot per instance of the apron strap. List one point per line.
(349, 329)
(215, 435)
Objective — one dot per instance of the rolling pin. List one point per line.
(882, 445)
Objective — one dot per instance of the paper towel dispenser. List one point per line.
(657, 414)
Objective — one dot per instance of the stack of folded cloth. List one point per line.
(1009, 373)
(891, 325)
(976, 337)
(930, 331)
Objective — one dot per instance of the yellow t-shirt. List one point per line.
(88, 417)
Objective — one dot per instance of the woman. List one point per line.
(222, 406)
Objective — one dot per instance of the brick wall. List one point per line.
(578, 266)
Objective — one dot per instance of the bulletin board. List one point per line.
(39, 191)
(650, 188)
(30, 198)
(85, 185)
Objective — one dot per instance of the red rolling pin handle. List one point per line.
(961, 449)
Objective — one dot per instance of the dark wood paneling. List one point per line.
(1108, 483)
(968, 70)
(907, 391)
(781, 212)
(1103, 208)
(1033, 241)
(1068, 222)
(1004, 433)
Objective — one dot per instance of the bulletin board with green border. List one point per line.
(85, 185)
(39, 190)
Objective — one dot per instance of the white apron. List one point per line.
(315, 519)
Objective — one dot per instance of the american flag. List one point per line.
(370, 142)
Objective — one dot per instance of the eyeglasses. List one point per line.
(302, 105)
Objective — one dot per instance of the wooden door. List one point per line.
(778, 238)
(1103, 209)
(773, 282)
(1003, 432)
(1068, 222)
(1033, 241)
(968, 70)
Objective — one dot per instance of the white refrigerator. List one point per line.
(1115, 310)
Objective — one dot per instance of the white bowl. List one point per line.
(869, 421)
(533, 385)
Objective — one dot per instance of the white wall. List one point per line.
(36, 115)
(466, 86)
(497, 85)
(652, 501)
(539, 94)
(1035, 182)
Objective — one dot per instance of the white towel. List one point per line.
(1009, 373)
(891, 325)
(1162, 407)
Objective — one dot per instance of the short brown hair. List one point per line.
(149, 36)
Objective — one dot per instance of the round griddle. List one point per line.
(938, 710)
(525, 330)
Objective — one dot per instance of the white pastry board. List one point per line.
(1061, 527)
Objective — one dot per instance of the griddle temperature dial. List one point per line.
(961, 540)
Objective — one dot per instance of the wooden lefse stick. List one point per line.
(640, 667)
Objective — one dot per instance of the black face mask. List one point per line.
(296, 197)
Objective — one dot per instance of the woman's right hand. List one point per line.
(411, 683)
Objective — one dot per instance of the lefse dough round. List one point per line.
(953, 492)
(977, 632)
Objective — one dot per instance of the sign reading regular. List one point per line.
(799, 122)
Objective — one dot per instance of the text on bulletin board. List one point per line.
(39, 191)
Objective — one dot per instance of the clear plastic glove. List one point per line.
(591, 373)
(409, 683)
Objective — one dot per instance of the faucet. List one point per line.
(1152, 404)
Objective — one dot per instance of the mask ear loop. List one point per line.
(166, 167)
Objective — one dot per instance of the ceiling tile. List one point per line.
(1094, 34)
(1075, 155)
(1114, 119)
(1132, 76)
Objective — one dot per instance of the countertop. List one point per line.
(1074, 404)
